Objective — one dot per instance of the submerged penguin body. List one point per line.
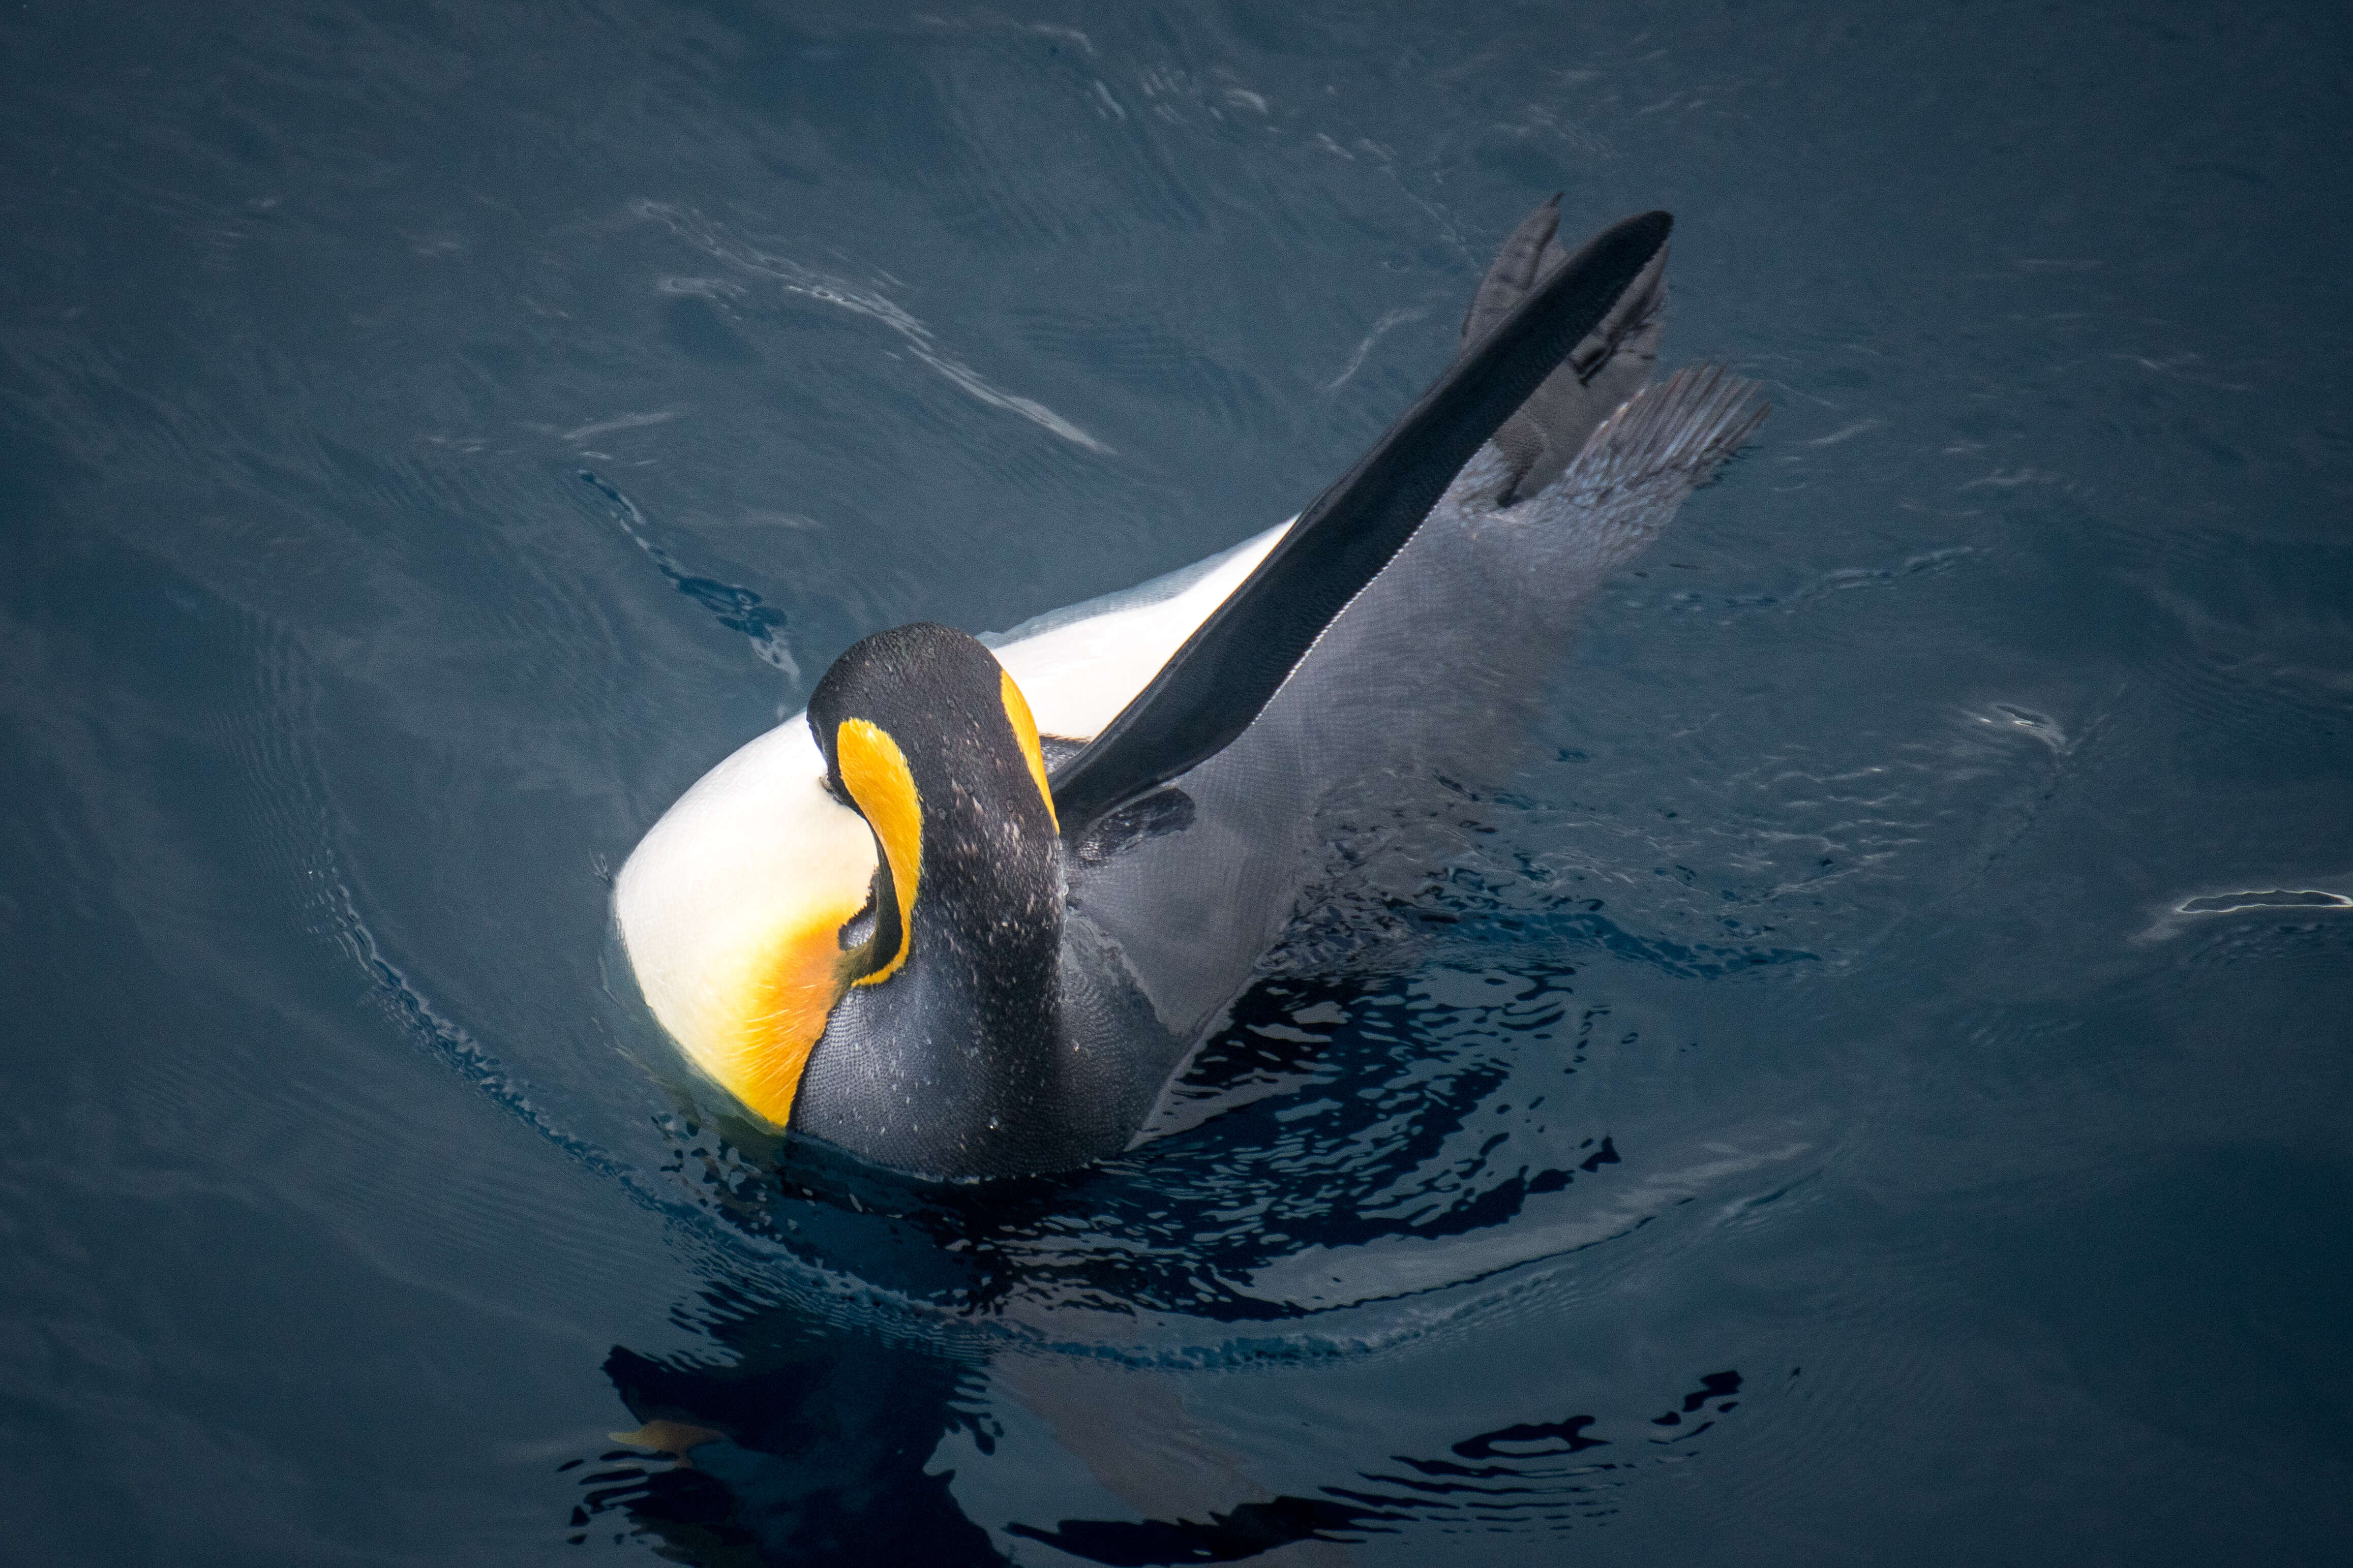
(969, 915)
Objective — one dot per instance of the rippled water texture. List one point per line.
(1874, 1087)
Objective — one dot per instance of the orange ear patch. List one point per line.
(875, 773)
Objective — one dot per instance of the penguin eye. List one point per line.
(859, 930)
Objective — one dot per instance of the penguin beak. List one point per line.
(732, 911)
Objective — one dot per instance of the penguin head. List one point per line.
(886, 879)
(926, 737)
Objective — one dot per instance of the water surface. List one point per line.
(1874, 1088)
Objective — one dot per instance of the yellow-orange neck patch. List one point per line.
(1025, 730)
(793, 988)
(875, 773)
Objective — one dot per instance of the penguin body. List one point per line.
(969, 915)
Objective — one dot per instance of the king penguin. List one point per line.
(969, 915)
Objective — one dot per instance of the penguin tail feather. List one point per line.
(1627, 483)
(1674, 434)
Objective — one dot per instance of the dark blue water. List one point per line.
(1876, 1089)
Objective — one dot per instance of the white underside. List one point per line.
(1079, 667)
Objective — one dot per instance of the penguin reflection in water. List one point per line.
(824, 1451)
(970, 914)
